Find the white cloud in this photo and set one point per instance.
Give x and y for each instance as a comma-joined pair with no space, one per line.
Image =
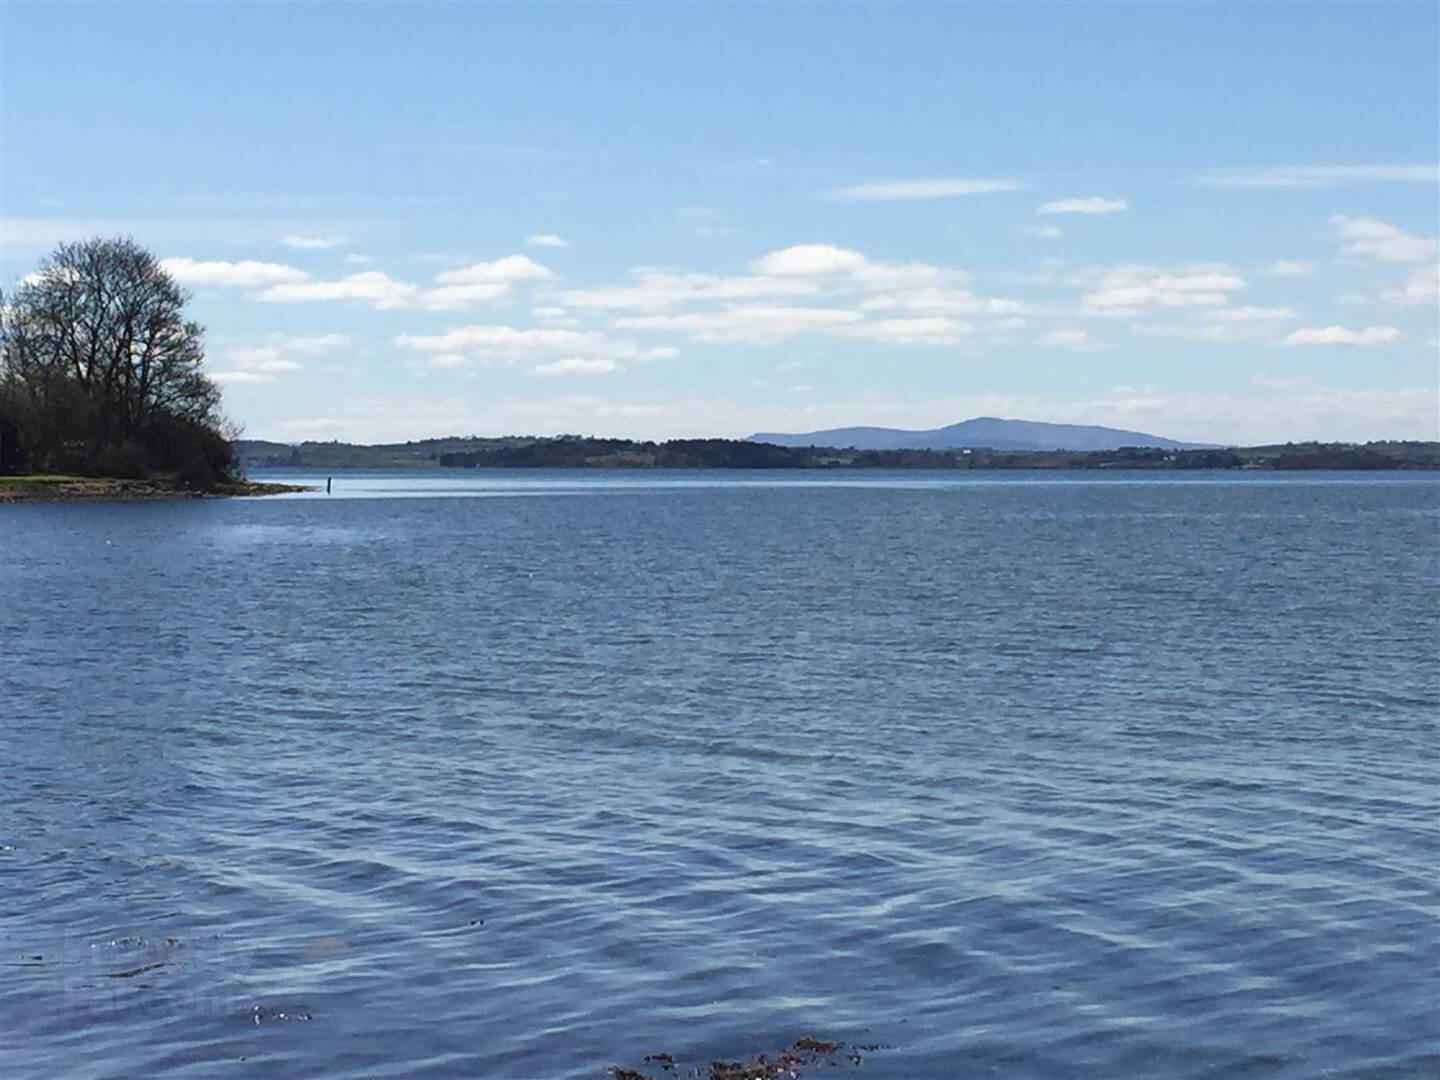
1069,339
575,365
1094,204
510,268
478,282
449,297
924,189
892,276
1196,331
453,289
803,270
546,240
266,360
308,243
1422,288
657,290
374,286
1123,290
809,260
1049,273
23,232
1221,324
749,325
1339,335
311,344
578,351
1381,240
768,325
502,341
1249,314
357,259
1290,268
273,355
944,302
1292,176
934,330
247,272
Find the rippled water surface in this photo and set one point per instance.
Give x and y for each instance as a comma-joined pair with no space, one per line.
531,774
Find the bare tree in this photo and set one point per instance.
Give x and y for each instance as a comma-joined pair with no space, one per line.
100,360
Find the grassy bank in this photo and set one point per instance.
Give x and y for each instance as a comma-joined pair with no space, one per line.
40,487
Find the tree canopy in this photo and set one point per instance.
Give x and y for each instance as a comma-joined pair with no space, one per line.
101,373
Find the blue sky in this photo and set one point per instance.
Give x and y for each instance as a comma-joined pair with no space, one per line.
1212,221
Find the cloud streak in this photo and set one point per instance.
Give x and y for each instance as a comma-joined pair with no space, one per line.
1095,204
944,188
311,243
1300,176
1339,335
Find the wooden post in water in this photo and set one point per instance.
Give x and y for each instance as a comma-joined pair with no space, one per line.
327,484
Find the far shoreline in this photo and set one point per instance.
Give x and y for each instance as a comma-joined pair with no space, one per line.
586,452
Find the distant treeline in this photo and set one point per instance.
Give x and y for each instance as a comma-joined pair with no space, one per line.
579,453
573,452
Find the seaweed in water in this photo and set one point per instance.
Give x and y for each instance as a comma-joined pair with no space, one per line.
134,971
805,1052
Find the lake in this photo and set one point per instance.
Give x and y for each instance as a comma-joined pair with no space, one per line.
530,774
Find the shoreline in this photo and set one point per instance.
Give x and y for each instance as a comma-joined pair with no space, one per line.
15,489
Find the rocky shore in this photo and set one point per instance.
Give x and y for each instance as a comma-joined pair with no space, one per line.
73,488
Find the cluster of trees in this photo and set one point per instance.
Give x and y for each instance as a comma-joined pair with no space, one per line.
101,373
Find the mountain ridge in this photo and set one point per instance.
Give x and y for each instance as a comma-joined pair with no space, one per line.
980,432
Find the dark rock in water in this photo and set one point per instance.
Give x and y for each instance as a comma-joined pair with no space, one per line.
815,1046
805,1052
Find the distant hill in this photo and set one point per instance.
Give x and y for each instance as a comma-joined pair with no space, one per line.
985,432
